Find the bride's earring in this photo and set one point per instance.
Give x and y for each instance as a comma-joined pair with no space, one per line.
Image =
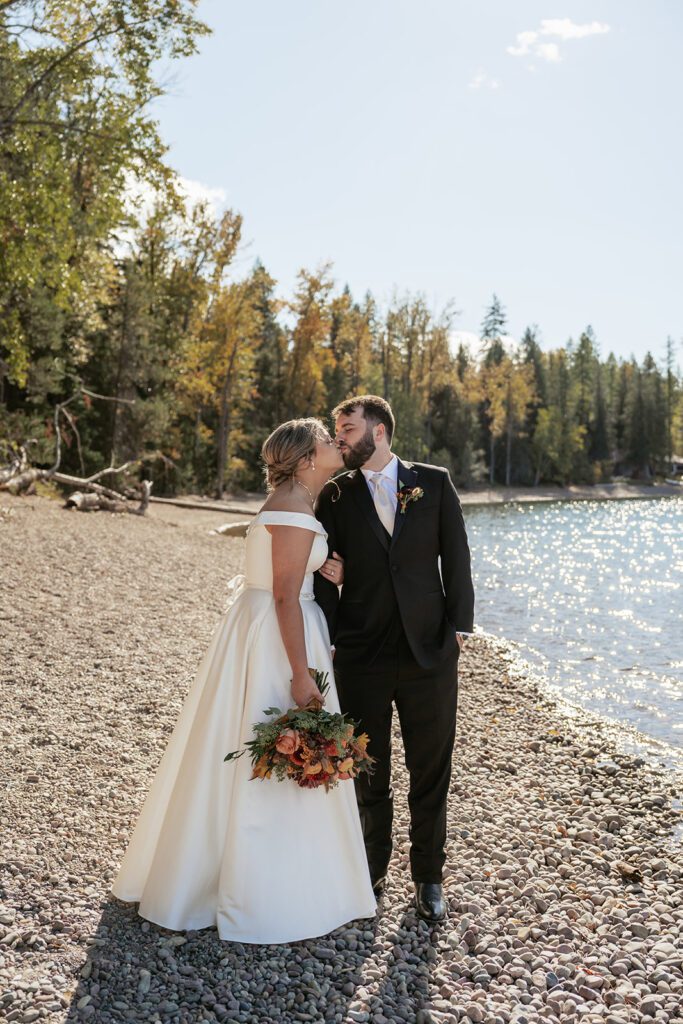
311,464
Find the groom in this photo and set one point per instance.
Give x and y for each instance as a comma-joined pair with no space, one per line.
407,595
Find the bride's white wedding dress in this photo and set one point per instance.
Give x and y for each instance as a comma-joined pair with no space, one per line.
264,861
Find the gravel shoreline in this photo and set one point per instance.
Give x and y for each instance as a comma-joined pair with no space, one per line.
102,622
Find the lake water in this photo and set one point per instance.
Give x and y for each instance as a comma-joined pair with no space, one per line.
593,594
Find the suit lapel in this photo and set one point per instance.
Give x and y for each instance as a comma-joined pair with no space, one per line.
361,494
407,477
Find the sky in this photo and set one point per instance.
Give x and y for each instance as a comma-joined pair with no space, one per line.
454,148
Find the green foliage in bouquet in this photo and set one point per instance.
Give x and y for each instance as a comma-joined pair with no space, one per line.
308,745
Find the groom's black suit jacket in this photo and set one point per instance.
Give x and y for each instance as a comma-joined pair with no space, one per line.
386,577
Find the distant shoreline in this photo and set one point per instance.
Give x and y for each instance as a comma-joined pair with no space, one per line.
575,492
249,504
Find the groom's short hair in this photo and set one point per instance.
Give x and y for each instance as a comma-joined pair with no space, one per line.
375,409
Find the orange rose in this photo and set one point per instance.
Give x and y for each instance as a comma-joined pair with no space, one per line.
313,768
343,776
288,741
343,766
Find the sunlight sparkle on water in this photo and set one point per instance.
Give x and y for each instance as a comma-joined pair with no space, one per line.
593,593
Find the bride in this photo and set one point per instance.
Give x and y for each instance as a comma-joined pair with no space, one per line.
264,861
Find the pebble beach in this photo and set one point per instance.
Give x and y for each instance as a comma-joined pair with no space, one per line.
565,865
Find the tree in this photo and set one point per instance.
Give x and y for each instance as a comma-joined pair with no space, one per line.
350,342
492,330
270,364
532,354
76,81
671,395
564,430
493,352
310,356
509,388
583,364
599,450
230,331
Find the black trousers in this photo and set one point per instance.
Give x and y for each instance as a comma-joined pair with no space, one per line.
426,701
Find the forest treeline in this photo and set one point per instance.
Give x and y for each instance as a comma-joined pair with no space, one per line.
172,348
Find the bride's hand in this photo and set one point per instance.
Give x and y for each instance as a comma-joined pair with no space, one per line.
305,690
333,569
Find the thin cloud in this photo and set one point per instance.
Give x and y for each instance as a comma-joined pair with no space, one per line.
531,42
483,81
197,191
567,29
549,52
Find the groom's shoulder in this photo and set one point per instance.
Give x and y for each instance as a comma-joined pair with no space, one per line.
425,469
343,480
334,487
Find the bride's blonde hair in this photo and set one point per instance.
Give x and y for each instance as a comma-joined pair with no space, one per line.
288,445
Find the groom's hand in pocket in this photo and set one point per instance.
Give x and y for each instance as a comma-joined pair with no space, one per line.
333,569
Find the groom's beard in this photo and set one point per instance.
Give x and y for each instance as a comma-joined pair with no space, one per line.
358,454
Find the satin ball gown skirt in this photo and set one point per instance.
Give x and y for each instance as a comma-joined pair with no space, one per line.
264,861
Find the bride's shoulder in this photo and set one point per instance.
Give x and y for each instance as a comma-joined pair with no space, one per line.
282,503
287,510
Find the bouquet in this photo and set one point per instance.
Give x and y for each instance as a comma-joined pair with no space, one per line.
308,745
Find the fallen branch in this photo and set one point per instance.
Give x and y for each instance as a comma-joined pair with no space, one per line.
128,465
18,461
208,506
23,483
18,477
106,492
94,502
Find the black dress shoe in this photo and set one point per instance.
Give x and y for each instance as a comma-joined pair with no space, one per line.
378,884
430,902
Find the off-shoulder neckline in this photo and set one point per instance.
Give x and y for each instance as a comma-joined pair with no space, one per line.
285,512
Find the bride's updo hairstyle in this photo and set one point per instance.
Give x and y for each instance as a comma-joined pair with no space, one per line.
289,443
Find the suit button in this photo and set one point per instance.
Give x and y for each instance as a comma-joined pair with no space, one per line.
394,568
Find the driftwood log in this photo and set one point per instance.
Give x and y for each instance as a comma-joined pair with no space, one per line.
19,477
18,462
92,501
232,529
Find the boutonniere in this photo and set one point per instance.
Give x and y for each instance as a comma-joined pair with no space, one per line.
408,494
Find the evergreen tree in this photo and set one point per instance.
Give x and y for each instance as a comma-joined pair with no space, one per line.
492,330
670,390
310,355
599,442
493,353
270,370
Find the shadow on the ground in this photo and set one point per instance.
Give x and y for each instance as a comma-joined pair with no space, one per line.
136,971
406,989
